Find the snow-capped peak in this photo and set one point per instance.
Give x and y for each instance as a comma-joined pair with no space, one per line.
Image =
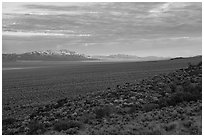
51,52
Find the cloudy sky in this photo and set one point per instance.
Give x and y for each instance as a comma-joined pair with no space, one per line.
142,29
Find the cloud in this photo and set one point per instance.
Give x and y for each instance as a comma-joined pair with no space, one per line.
161,8
170,38
29,34
103,23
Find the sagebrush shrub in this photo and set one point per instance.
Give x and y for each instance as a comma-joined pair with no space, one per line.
103,112
8,121
64,125
176,98
36,128
61,102
87,118
170,127
133,109
150,107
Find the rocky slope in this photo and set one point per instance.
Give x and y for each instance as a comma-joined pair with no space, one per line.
163,104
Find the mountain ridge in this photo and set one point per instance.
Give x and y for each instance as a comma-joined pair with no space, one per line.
47,55
121,57
68,55
54,52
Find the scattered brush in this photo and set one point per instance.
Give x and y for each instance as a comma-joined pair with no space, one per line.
8,121
103,112
65,125
36,128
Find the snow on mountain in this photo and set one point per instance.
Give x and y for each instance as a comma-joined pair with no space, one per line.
62,52
48,55
67,55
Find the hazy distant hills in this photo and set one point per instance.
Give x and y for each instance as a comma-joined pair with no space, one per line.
123,57
180,58
48,55
66,55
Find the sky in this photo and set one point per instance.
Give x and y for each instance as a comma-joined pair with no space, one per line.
141,29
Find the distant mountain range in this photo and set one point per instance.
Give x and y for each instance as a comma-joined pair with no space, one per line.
48,55
66,55
180,58
123,57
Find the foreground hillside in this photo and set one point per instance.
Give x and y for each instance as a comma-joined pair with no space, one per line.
163,104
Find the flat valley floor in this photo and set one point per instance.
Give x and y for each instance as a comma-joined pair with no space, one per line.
27,85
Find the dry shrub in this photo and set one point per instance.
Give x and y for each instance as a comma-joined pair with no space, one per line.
8,121
103,112
36,128
171,126
150,107
64,125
